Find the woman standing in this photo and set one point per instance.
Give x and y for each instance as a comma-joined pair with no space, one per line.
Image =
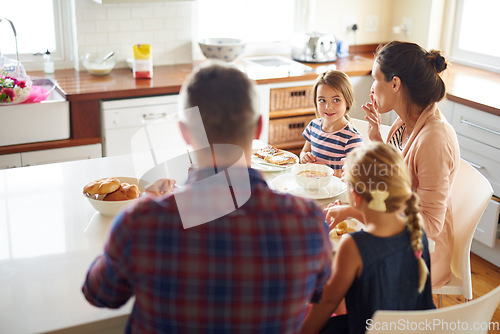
406,80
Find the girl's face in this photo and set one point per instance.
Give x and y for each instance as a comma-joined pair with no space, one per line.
382,91
331,104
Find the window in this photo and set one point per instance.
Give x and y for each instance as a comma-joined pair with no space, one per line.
266,26
38,29
476,34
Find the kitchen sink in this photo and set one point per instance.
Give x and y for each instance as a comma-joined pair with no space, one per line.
273,66
36,122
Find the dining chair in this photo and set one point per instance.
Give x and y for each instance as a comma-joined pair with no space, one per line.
362,127
470,194
473,317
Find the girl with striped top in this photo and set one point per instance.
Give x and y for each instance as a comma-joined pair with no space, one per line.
330,137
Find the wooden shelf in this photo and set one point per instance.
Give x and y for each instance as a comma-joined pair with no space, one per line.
291,113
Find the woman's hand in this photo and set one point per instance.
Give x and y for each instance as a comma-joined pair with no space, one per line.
337,212
374,120
307,157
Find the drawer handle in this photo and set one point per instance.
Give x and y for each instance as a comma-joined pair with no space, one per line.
151,117
476,166
479,127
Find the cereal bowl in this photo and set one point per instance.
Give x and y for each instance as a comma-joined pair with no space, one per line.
111,208
96,65
312,176
226,49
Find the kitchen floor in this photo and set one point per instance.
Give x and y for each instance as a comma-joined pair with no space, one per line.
485,277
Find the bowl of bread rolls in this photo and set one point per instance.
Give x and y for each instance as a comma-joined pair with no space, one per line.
110,195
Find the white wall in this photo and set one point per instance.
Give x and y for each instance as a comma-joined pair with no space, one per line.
168,26
332,16
117,27
426,21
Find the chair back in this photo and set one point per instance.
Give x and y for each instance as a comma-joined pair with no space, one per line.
470,194
362,127
472,317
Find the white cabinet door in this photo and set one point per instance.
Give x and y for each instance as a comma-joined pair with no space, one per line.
61,155
10,160
487,228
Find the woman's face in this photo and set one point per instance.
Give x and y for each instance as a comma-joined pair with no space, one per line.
331,104
382,91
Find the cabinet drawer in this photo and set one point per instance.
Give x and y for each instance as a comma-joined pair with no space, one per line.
61,155
288,130
485,158
479,125
487,226
10,160
287,98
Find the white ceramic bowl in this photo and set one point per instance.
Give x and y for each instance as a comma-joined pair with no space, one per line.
111,208
312,182
226,49
94,64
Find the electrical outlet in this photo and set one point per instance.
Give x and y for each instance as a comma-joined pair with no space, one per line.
371,23
348,22
407,26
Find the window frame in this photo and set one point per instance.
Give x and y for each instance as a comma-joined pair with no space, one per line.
63,56
465,57
300,23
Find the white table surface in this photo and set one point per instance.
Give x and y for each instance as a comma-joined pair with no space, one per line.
49,235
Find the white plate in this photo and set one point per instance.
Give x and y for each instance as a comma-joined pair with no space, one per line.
286,183
351,222
261,164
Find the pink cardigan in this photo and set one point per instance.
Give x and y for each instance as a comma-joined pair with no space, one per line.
432,155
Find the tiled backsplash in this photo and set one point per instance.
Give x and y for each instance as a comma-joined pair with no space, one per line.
166,26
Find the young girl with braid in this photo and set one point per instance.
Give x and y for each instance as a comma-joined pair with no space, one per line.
386,266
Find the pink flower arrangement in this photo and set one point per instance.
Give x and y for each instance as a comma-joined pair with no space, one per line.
12,90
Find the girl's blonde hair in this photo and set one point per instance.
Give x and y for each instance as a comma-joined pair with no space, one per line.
380,167
339,81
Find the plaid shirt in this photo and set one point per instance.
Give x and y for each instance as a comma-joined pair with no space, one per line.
250,271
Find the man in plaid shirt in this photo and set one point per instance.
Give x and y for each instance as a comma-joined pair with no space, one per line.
252,269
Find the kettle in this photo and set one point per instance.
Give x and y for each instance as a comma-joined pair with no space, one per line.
314,47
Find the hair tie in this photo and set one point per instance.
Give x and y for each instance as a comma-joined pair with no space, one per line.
418,254
378,200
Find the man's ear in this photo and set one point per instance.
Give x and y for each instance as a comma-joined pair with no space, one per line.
258,128
396,84
185,133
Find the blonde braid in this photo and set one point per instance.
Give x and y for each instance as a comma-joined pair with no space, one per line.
414,224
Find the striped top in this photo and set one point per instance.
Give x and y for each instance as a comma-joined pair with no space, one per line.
331,147
397,138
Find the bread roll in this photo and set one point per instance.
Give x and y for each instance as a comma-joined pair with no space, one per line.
102,186
124,193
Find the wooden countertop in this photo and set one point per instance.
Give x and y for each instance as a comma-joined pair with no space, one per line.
472,87
79,86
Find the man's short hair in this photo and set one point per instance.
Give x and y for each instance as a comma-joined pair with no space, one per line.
227,101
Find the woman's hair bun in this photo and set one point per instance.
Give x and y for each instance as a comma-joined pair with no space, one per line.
437,60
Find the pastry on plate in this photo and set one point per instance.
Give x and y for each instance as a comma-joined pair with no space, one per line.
268,151
280,160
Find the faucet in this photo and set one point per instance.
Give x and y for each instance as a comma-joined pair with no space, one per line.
15,38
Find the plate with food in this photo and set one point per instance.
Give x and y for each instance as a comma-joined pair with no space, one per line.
270,158
286,183
345,227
